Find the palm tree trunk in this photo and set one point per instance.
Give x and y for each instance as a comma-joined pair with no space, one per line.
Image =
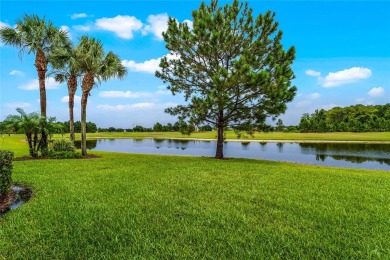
72,86
84,100
219,152
41,66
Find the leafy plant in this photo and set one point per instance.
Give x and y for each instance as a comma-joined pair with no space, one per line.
62,145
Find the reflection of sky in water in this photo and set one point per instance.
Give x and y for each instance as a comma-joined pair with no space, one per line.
370,156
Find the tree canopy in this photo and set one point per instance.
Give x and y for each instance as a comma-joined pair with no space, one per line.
231,68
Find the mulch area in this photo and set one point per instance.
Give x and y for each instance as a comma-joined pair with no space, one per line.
5,202
25,194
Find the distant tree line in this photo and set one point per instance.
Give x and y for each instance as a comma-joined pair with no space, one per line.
158,127
356,118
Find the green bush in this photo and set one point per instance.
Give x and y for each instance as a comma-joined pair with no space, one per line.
62,145
6,158
64,155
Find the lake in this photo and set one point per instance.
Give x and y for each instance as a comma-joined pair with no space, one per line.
351,155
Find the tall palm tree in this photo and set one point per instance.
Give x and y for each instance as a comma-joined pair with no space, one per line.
66,69
97,67
35,35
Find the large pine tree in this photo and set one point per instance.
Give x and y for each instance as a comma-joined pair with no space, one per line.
231,68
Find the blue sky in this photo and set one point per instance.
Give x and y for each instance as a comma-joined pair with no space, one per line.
343,56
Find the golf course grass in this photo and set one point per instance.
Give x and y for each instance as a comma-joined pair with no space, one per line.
148,206
337,136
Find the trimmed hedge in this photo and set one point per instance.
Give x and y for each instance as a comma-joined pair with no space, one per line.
6,166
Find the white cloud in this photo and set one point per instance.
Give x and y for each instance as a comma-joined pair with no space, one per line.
157,24
346,76
377,92
329,106
34,84
128,107
83,28
17,104
4,25
312,73
302,104
79,15
16,73
123,26
149,66
65,99
315,95
136,106
162,90
123,94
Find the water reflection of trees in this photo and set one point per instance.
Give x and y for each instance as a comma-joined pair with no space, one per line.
346,152
91,144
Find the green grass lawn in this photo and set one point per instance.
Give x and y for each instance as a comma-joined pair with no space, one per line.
128,206
371,136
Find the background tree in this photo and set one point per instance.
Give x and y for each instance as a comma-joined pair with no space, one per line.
231,67
34,35
279,125
97,67
157,127
66,69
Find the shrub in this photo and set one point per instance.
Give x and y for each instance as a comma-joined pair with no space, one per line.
63,149
64,155
62,145
6,158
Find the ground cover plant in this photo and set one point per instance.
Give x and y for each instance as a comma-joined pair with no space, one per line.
125,205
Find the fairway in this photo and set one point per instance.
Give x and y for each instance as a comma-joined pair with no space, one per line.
127,206
260,136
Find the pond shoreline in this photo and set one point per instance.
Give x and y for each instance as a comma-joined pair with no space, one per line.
245,140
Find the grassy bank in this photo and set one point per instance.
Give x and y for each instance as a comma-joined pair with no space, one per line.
127,206
372,136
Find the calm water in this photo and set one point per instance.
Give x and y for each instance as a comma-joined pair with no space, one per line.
368,156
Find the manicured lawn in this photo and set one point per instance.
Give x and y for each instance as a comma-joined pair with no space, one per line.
372,136
127,206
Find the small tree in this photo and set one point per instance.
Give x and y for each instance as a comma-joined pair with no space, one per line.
231,67
279,125
31,125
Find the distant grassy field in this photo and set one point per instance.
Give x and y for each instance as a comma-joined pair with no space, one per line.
144,206
372,136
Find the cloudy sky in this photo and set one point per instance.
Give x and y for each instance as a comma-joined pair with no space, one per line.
343,56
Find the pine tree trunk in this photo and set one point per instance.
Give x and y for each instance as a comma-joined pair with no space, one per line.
84,100
219,152
72,86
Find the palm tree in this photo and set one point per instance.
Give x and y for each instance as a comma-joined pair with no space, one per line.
30,124
66,69
35,35
96,67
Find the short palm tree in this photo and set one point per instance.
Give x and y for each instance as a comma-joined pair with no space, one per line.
66,69
97,67
35,35
30,124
